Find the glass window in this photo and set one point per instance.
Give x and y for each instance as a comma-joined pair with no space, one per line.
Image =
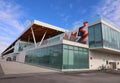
80,49
65,46
111,37
70,47
75,58
91,37
71,58
49,56
59,57
95,36
75,48
98,35
65,58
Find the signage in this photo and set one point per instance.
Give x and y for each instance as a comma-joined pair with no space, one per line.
78,35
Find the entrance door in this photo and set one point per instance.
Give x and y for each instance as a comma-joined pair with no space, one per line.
14,58
112,65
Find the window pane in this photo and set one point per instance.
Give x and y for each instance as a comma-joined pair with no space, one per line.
95,35
65,58
49,56
111,37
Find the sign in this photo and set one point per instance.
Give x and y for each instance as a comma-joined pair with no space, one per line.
78,35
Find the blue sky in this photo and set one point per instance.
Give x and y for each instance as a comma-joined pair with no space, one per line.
14,14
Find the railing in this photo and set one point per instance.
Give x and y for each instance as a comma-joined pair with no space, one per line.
47,41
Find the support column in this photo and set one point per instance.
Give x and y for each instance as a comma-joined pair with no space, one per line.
42,38
34,37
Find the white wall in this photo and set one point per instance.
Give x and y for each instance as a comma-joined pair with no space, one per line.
8,55
100,58
21,57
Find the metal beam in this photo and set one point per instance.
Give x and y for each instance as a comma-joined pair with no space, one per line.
34,37
42,38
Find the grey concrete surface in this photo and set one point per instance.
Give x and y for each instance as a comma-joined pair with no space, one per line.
16,73
19,68
65,78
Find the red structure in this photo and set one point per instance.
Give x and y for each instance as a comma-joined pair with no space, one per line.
83,33
73,36
79,35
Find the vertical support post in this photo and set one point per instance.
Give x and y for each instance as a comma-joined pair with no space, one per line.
42,38
28,40
34,37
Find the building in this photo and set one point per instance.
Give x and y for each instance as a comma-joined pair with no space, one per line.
51,46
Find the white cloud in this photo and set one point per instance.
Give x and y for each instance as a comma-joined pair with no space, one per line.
3,46
9,14
6,30
5,38
10,24
111,10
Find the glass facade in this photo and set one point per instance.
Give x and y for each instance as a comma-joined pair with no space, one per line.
53,39
59,56
111,37
75,57
95,35
102,35
21,45
49,56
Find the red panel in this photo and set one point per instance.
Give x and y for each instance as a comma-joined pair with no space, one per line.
83,33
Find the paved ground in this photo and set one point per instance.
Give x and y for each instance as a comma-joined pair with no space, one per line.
53,77
64,78
19,68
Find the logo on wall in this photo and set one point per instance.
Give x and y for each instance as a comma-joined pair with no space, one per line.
78,35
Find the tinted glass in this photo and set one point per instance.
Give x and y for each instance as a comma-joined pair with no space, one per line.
95,35
111,37
76,58
49,56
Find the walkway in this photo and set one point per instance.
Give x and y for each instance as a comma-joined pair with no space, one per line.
20,68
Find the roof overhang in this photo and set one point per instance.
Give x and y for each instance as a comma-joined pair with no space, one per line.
39,28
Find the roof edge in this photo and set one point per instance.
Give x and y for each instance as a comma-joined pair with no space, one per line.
49,25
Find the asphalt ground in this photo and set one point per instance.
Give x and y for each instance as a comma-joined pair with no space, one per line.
97,77
60,77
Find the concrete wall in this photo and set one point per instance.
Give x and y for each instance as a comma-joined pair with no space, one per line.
97,59
21,57
8,55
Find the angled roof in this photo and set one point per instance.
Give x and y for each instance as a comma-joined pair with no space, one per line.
39,28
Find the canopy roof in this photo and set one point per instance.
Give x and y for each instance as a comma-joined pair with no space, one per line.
39,28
